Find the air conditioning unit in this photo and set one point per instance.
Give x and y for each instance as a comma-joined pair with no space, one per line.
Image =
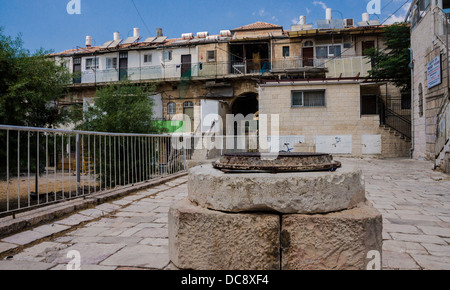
348,22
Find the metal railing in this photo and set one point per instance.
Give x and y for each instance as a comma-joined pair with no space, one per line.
43,166
443,128
345,66
395,115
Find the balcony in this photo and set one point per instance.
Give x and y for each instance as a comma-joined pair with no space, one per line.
332,67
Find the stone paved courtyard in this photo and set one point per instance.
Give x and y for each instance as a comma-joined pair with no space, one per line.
132,232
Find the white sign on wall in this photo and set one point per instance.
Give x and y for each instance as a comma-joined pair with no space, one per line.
339,144
371,144
434,72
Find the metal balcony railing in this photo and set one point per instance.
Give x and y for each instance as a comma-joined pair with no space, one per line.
335,67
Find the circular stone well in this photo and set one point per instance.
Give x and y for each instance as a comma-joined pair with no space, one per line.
286,193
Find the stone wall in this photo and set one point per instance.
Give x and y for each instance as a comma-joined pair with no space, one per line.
340,119
425,46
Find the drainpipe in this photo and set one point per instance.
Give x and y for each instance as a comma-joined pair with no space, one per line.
411,66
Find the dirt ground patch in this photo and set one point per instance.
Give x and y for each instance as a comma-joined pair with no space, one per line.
23,190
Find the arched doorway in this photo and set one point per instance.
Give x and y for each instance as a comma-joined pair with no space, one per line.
188,111
248,106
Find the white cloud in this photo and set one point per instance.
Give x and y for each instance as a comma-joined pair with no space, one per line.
308,10
400,17
262,12
324,6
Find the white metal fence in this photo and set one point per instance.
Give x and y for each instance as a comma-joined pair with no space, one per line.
42,166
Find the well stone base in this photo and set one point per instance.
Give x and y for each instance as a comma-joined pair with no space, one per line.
334,241
287,193
202,239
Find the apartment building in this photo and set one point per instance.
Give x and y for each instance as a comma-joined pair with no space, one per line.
315,79
431,111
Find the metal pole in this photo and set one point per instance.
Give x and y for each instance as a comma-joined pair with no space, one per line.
37,167
78,164
7,170
18,169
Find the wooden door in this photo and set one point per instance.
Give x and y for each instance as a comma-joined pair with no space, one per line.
77,70
123,65
186,65
308,56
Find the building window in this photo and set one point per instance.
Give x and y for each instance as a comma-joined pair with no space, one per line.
211,54
406,102
167,55
123,55
171,108
420,101
285,51
147,58
369,104
308,43
308,99
111,63
328,51
188,105
92,63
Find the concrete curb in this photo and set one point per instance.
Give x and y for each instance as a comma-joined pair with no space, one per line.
32,218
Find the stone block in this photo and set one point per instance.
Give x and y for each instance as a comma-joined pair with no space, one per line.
334,241
202,239
287,193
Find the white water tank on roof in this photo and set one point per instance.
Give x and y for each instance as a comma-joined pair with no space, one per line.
329,13
302,20
136,32
365,17
225,33
88,41
202,34
187,36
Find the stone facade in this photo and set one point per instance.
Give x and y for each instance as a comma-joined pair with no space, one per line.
427,42
340,118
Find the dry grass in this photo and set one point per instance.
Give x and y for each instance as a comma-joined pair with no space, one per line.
23,189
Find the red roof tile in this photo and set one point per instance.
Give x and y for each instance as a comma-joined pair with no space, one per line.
257,26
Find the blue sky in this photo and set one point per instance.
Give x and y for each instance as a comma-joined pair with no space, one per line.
46,23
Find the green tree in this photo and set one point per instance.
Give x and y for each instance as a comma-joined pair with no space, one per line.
392,62
121,108
31,84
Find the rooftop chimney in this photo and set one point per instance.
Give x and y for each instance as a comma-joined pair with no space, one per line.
159,32
88,41
116,35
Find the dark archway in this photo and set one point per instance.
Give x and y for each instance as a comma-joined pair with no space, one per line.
246,104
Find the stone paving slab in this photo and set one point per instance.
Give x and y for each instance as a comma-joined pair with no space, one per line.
131,232
24,238
140,256
74,220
